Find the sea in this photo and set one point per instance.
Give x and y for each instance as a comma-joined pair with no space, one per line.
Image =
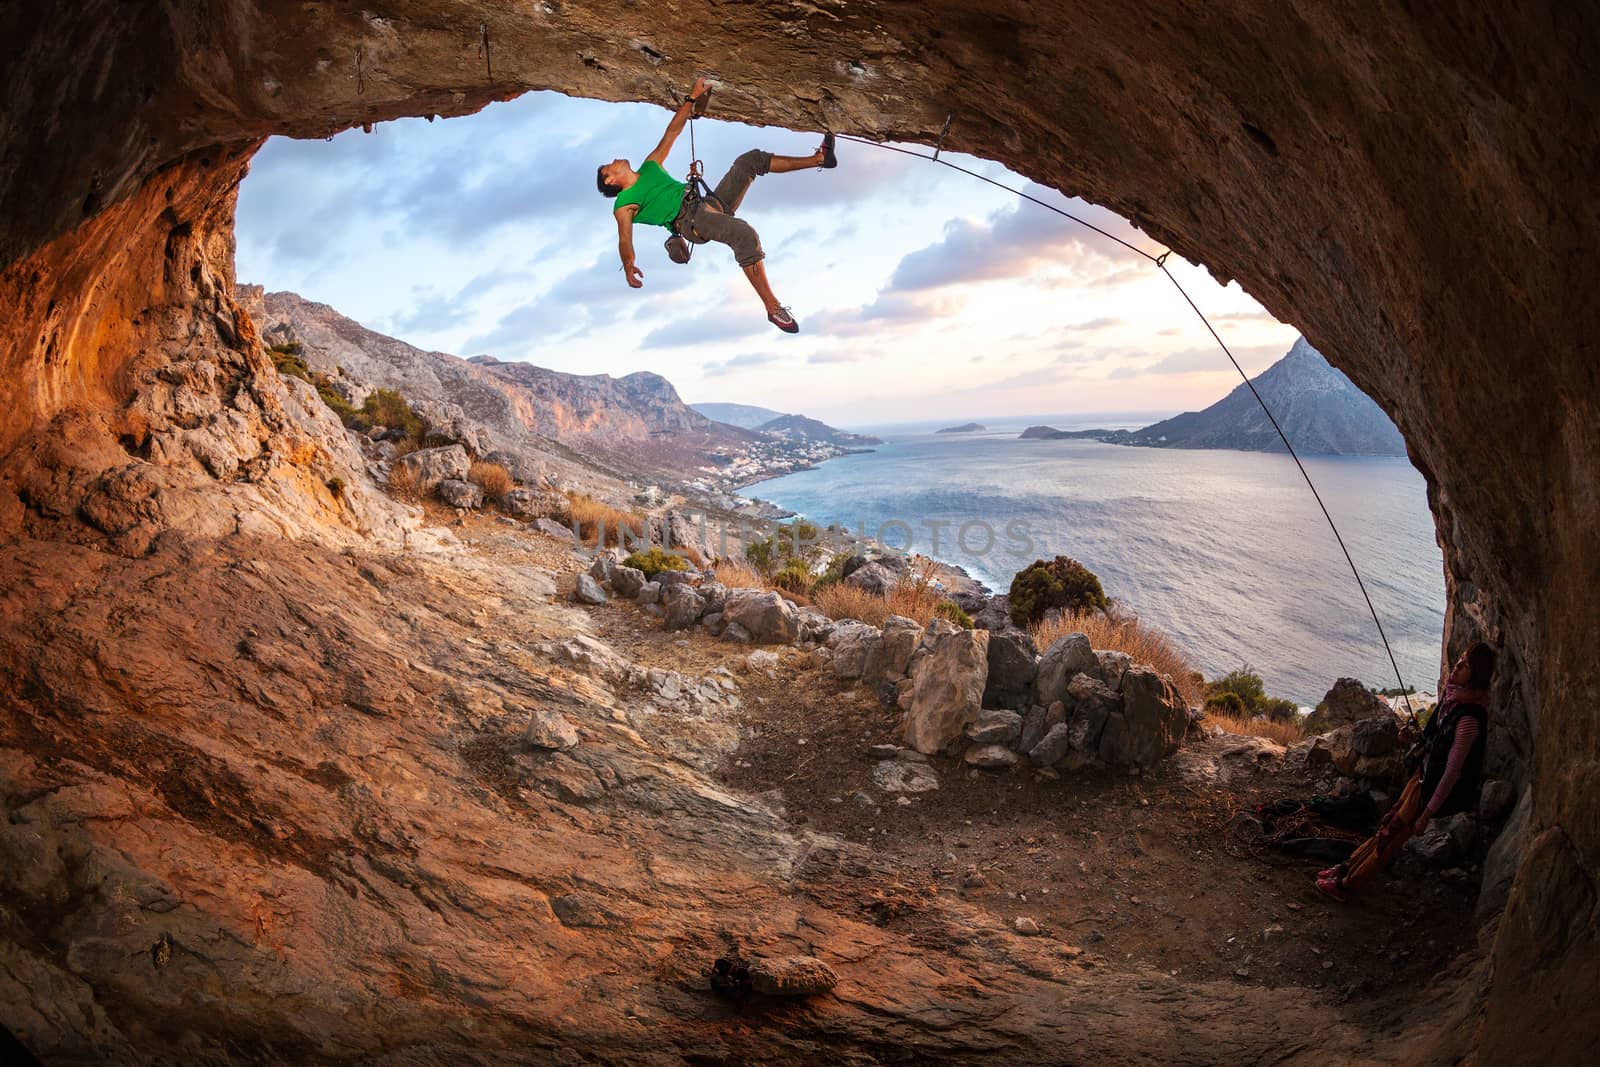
1226,551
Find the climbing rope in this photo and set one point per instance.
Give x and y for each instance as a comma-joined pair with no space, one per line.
1161,263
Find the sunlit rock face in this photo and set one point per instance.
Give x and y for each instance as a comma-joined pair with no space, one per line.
1409,186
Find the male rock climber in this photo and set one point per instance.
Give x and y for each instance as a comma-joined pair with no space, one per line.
651,196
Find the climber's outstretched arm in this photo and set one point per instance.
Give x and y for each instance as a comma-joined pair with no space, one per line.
624,216
675,126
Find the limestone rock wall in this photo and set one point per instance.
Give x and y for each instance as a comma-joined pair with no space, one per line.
1407,183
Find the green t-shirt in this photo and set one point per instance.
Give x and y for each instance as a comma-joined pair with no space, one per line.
657,193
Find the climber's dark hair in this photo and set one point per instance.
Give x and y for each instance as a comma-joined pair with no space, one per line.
1480,660
607,190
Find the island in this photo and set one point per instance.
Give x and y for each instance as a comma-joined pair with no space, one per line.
969,427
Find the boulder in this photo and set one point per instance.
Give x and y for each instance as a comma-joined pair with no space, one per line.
874,577
904,776
1093,704
733,631
1051,747
588,591
990,756
603,568
853,643
1032,729
649,593
667,578
997,727
460,494
1347,702
1112,667
791,976
715,595
434,465
1013,665
683,606
994,615
946,692
764,616
1150,725
551,528
522,503
1376,736
627,581
888,660
549,730
1069,655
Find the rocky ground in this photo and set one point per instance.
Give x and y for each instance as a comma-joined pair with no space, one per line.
268,800
1134,872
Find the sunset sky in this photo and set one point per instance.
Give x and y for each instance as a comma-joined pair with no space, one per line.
921,293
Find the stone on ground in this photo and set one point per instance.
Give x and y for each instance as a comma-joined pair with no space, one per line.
460,494
1069,655
551,730
765,616
434,465
946,693
588,591
791,976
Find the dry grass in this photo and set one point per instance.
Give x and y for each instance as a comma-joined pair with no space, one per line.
737,574
1284,733
592,516
1143,644
405,482
405,447
915,598
492,478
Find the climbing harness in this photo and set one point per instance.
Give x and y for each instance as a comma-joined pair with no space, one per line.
695,191
1161,263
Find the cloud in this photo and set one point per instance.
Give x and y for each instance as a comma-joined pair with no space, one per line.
712,368
887,312
833,357
1091,325
713,326
435,312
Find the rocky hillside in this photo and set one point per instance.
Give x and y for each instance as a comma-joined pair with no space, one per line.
636,423
1320,409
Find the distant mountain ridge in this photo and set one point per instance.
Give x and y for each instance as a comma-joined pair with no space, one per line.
796,428
1319,408
800,428
744,416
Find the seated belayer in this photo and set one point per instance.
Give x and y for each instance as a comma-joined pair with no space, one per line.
1445,780
653,197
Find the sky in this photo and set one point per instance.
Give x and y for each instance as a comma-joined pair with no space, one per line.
921,292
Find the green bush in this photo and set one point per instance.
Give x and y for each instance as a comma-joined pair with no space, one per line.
286,357
1279,710
655,560
338,404
336,486
950,611
1244,682
777,552
1063,584
1227,703
795,577
385,407
1244,685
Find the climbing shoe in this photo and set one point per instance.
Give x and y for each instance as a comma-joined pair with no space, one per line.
780,317
829,160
